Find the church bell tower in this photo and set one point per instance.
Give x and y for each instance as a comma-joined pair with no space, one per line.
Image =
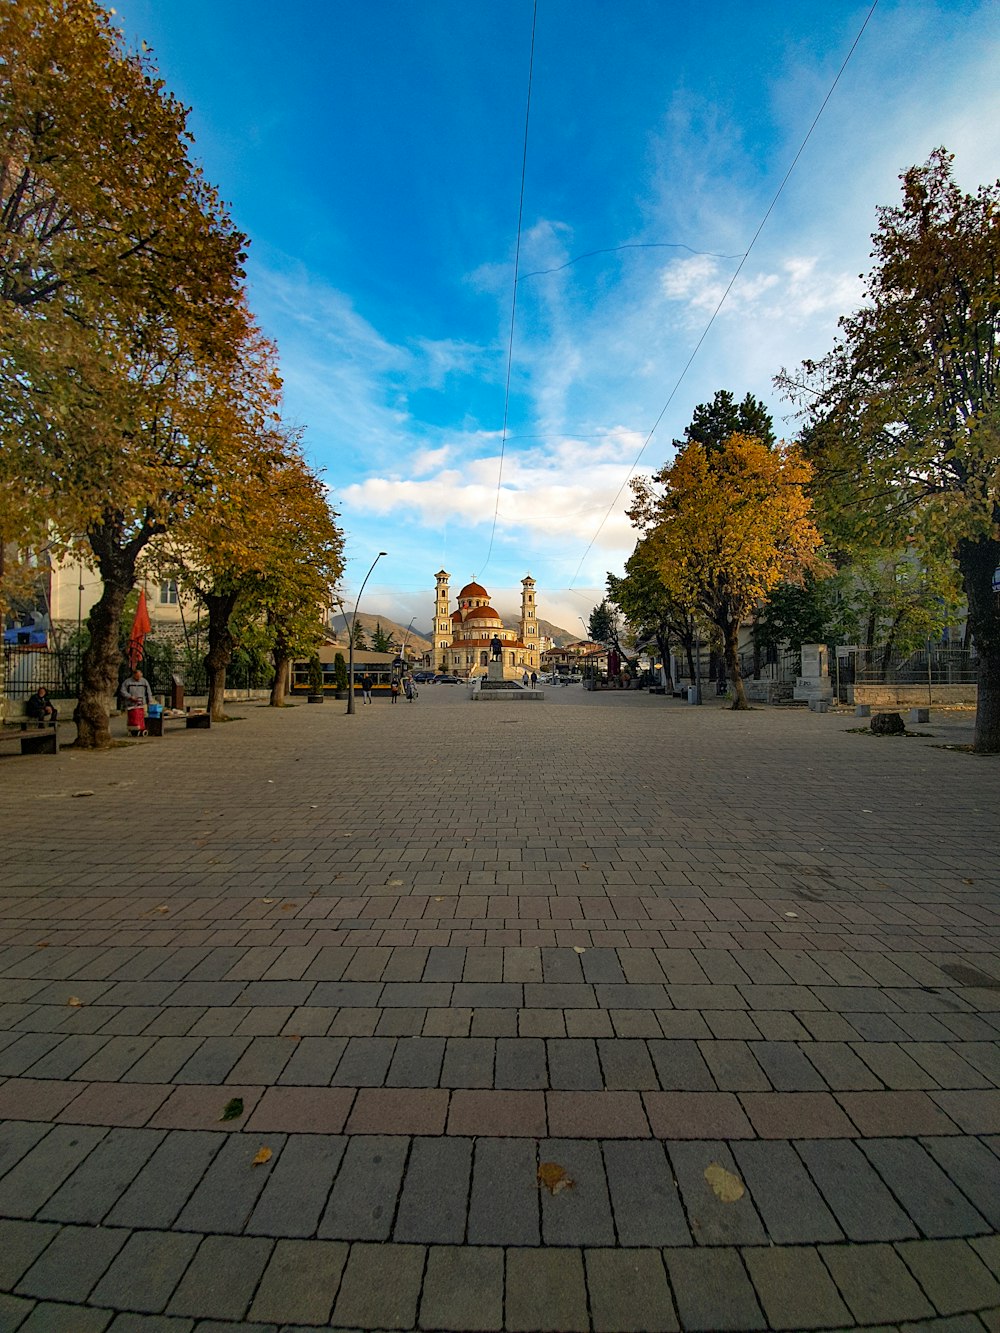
442,621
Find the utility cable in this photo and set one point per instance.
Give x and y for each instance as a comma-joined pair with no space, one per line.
513,299
729,288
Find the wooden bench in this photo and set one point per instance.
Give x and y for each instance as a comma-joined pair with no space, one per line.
33,737
198,721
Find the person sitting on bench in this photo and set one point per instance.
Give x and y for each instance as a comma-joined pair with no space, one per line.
41,707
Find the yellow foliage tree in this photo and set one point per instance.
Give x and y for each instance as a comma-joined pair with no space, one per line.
724,526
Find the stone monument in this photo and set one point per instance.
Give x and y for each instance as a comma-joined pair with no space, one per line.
814,685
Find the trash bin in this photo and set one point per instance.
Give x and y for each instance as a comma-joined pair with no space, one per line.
694,694
176,692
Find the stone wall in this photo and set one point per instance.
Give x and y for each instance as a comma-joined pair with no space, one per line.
913,696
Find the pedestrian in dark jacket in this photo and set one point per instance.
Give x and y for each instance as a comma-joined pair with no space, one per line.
366,688
40,706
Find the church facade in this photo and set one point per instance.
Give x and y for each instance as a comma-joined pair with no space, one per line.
464,638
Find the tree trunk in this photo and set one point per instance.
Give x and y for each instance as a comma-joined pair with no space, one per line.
977,561
282,664
116,562
689,654
220,649
731,645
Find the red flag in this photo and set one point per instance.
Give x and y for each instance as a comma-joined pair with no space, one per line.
140,628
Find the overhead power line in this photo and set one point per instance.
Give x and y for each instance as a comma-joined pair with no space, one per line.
729,288
513,298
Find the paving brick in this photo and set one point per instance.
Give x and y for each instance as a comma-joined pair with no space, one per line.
163,1186
546,1292
520,1063
952,1274
974,1112
300,1282
588,1023
945,1066
364,1062
644,1199
580,1215
362,1203
733,1066
263,1060
973,1168
712,1290
875,1283
48,1317
712,1221
400,1111
17,1138
71,1265
573,1065
35,1099
463,1290
301,1110
20,1245
692,1115
225,1196
893,1066
680,1066
432,1204
97,1184
786,1198
554,995
115,1104
788,1115
786,1067
380,1287
494,1022
297,1189
497,1114
840,1067
795,1289
195,1107
416,1062
26,1187
731,1025
629,1292
626,1065
504,1200
145,1272
468,1062
221,1278
937,1206
878,1114
863,1207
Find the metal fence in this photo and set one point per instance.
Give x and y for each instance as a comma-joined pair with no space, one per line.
936,665
58,669
779,664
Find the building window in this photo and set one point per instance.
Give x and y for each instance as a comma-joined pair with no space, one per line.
168,593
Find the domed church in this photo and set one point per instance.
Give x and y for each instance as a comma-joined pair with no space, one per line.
463,638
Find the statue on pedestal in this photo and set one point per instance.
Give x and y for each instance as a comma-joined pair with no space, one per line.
496,648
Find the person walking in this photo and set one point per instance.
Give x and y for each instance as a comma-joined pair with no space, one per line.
366,688
409,688
534,679
524,680
394,688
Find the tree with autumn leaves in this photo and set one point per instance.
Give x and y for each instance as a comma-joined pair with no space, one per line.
132,378
723,524
902,416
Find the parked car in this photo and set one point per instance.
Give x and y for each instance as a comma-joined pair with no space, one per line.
422,677
446,680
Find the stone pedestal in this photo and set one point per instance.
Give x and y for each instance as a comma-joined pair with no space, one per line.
494,670
814,686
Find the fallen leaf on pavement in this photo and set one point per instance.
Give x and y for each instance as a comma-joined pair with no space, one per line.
74,1002
554,1177
163,910
81,793
264,1155
578,949
43,944
287,907
233,1109
291,1036
725,1185
267,900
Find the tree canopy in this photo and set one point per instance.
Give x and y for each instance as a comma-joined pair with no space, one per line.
902,415
725,526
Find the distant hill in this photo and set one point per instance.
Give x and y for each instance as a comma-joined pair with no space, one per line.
416,642
419,641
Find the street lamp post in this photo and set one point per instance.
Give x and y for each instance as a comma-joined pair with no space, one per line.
402,651
350,651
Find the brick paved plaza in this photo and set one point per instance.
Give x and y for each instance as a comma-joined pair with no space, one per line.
735,975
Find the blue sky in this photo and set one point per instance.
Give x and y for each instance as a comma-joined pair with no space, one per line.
372,151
